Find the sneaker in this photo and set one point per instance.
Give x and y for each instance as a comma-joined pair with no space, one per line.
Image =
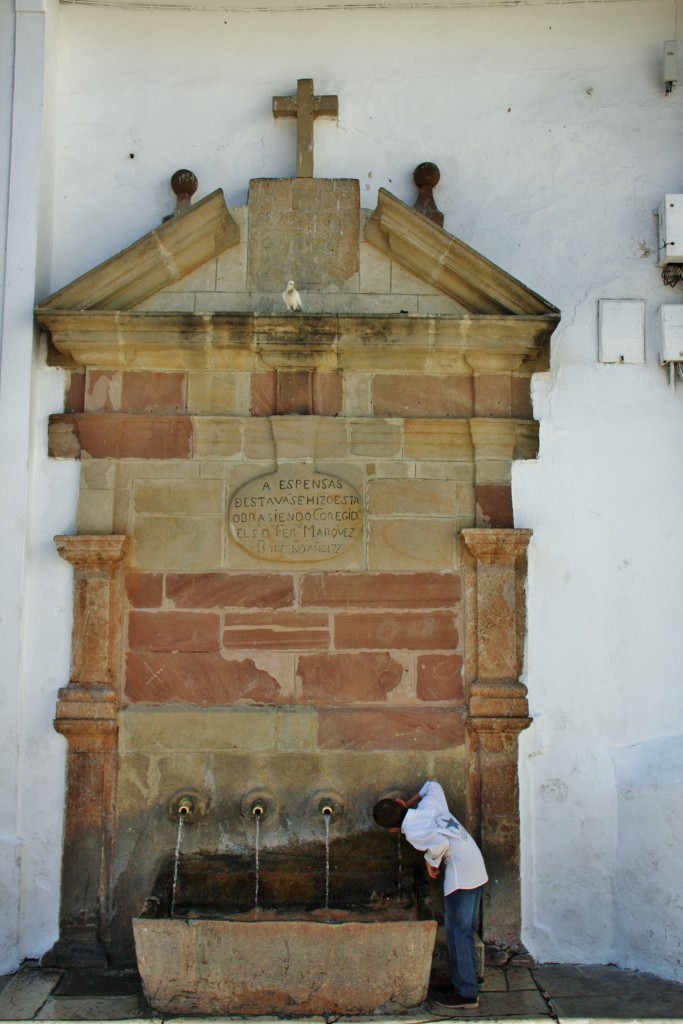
446,1002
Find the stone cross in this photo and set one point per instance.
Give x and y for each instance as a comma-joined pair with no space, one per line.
305,107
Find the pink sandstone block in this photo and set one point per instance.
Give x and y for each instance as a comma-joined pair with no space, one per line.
230,590
173,631
397,630
382,590
201,679
348,678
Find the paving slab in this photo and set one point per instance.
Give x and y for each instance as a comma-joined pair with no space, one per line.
99,983
494,981
510,1004
520,978
26,992
596,992
93,1008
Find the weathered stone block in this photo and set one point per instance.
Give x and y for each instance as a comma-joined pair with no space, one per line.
74,391
120,436
422,395
443,439
412,544
173,631
103,390
440,677
179,497
98,474
348,678
218,392
283,631
145,589
492,394
411,497
263,393
178,542
169,302
385,590
230,590
357,394
520,397
95,511
306,228
377,439
170,730
153,392
231,269
395,630
216,437
196,678
294,393
494,505
389,729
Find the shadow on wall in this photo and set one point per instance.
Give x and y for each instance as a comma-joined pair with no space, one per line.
648,857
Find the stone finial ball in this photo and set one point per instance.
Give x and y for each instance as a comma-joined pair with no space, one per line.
184,182
426,174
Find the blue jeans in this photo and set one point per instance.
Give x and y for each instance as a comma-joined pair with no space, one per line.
461,919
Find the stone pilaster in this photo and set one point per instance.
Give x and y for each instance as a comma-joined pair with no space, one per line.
86,716
498,712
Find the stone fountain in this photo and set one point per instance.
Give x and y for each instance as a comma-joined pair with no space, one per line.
316,929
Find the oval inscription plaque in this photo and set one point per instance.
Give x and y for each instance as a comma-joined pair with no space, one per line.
295,515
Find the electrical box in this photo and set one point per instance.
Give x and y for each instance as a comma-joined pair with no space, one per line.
621,331
671,230
671,334
669,65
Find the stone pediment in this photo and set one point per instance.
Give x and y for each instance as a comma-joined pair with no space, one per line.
166,255
204,290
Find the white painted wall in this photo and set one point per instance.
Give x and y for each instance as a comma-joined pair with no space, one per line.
555,144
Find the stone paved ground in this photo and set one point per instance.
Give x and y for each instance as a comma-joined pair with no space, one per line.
568,994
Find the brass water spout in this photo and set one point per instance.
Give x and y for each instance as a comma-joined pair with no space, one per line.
257,810
185,806
326,809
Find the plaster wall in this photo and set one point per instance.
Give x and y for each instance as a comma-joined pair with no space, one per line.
555,144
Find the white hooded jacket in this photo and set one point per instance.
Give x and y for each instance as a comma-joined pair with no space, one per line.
431,827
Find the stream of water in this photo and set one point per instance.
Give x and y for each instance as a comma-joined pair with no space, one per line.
257,845
327,859
179,839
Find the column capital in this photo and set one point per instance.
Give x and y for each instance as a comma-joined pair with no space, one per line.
501,547
497,699
86,551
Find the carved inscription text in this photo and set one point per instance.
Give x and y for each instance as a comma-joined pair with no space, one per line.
296,515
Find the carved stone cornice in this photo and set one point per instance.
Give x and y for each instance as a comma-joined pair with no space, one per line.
496,547
92,551
329,342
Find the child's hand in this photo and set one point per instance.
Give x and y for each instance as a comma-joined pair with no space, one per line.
432,871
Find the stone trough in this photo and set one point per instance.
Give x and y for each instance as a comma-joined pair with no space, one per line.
287,967
370,949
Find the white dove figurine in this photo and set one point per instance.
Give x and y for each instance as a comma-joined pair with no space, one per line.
291,298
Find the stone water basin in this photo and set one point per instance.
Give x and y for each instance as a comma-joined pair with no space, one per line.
286,963
370,947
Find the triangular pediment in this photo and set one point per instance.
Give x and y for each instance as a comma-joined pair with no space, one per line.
205,288
164,256
451,266
390,261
